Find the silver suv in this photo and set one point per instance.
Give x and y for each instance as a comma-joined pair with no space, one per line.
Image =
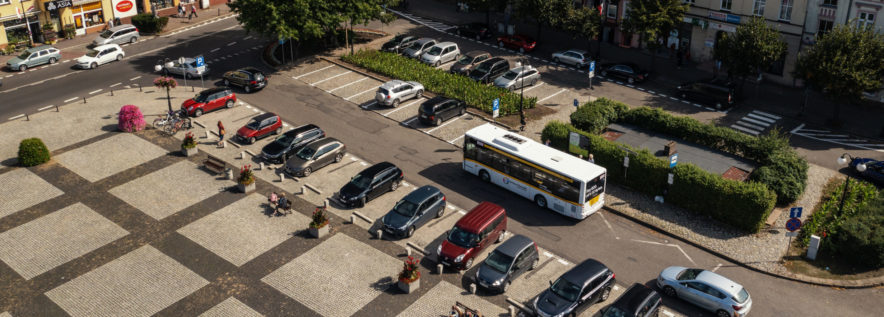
518,77
393,92
705,289
125,33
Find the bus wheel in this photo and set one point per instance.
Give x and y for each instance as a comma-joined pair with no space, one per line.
483,174
540,201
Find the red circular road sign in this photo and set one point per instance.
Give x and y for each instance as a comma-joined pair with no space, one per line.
793,224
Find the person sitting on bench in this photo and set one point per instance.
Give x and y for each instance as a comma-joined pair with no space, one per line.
273,199
282,203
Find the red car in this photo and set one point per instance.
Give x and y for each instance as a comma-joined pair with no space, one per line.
208,100
519,42
259,127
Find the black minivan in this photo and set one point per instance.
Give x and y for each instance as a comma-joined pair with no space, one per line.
587,283
371,183
489,70
717,92
290,142
510,260
439,109
414,210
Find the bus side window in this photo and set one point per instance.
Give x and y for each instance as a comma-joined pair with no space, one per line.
500,163
470,150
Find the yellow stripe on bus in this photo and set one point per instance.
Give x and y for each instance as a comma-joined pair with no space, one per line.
526,184
528,163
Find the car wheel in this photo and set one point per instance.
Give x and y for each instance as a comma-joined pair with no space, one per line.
339,157
630,80
362,202
604,73
410,232
557,60
395,103
669,291
306,172
468,265
132,40
718,105
501,237
483,174
540,201
252,140
535,264
394,186
52,60
226,83
506,286
437,63
463,110
188,76
500,44
22,67
683,96
93,66
198,112
247,88
441,212
437,122
119,57
278,131
419,94
230,104
605,294
722,313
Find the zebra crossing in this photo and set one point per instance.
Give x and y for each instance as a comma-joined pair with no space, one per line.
839,138
438,26
755,122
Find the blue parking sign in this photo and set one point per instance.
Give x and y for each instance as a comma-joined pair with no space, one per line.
200,61
592,66
495,108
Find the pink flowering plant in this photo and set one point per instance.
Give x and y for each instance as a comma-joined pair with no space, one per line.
320,219
130,119
165,82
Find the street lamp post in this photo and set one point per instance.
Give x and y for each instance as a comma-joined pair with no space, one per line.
846,159
164,65
522,96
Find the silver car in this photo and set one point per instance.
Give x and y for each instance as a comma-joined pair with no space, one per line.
125,33
705,289
441,53
393,92
518,77
314,156
418,48
188,69
34,56
577,58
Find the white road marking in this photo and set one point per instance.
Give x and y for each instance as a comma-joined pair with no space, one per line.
667,313
134,78
318,70
247,37
214,50
442,125
16,117
668,245
402,107
716,267
547,254
670,97
372,103
330,78
363,163
71,99
651,92
409,121
609,225
458,138
747,130
685,253
47,107
535,86
348,84
114,85
840,143
562,261
697,105
365,91
462,212
553,95
686,102
710,109
769,115
758,122
798,128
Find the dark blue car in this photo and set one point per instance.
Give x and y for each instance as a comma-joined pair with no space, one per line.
413,211
874,170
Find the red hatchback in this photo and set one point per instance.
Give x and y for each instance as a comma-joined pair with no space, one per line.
520,42
479,228
208,100
259,127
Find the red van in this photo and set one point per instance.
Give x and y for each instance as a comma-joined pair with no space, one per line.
482,226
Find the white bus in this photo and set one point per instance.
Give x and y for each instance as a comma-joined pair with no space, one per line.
551,178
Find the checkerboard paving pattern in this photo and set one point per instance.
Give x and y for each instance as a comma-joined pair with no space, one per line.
140,283
440,299
24,189
54,239
242,231
171,189
109,156
230,307
336,278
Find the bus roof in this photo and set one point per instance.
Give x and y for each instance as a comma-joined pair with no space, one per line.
550,158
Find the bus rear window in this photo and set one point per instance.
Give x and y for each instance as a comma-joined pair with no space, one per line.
595,187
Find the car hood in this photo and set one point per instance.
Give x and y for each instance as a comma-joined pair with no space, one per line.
296,163
350,190
452,250
476,75
395,219
460,67
274,148
411,52
502,82
190,102
551,304
489,275
671,272
15,61
85,59
245,132
390,45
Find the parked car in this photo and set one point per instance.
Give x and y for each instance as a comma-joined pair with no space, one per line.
209,100
315,155
706,290
507,262
439,109
874,171
249,78
630,72
371,183
717,92
483,225
288,143
637,301
419,47
413,211
399,43
468,61
120,34
477,30
188,69
489,70
35,56
518,42
393,92
441,53
577,58
100,55
518,77
259,127
587,283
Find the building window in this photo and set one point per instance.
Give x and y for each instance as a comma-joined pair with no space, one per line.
825,27
758,9
866,19
162,4
726,5
2,2
612,9
833,3
786,10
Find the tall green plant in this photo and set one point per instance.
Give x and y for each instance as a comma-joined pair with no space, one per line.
751,49
653,19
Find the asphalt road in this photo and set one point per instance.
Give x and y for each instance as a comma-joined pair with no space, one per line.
634,252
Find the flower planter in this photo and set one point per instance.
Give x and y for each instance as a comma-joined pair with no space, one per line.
409,287
188,152
318,232
246,188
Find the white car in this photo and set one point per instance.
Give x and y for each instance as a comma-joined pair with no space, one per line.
518,77
188,69
705,289
99,55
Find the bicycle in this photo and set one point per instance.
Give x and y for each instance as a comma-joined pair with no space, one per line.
173,122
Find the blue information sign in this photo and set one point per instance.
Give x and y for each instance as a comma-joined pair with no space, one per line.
496,104
576,104
592,66
793,224
795,212
200,61
673,160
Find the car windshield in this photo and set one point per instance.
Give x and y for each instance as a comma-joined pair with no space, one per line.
498,261
92,53
511,75
427,108
361,181
742,296
398,38
106,34
416,46
483,67
284,139
254,124
24,55
435,51
614,312
306,153
201,97
405,208
465,60
565,289
461,238
688,274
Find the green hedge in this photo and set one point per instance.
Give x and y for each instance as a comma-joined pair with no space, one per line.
476,95
595,116
742,205
32,152
147,23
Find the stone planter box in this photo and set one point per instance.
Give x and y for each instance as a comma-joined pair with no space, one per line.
409,287
246,188
318,233
190,152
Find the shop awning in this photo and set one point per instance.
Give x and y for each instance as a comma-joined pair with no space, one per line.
15,17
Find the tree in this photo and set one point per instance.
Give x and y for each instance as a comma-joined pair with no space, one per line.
753,48
653,20
544,12
487,6
297,20
360,12
843,64
583,22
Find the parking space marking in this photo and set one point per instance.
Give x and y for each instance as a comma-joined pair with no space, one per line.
442,125
47,107
363,163
461,211
535,86
402,107
670,97
652,92
231,43
716,267
669,245
553,95
247,37
409,121
71,99
641,89
609,225
455,139
114,85
348,84
365,91
318,70
215,50
134,78
330,78
368,105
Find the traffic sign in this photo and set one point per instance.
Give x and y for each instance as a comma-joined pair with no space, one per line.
576,104
200,61
495,108
795,212
793,224
591,66
673,160
181,60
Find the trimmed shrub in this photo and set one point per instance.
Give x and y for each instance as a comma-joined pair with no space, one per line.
594,116
148,24
786,175
860,240
476,95
32,152
130,119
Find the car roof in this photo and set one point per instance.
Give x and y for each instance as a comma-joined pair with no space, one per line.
581,52
38,48
514,245
584,271
264,116
121,27
392,84
436,100
302,129
476,53
719,282
422,193
524,37
213,90
377,168
251,70
494,60
445,44
104,46
425,40
478,217
634,297
323,142
522,68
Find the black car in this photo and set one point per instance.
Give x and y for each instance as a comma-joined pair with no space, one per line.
630,72
637,301
249,78
489,70
290,142
439,109
717,92
371,183
476,30
399,43
413,211
510,260
583,285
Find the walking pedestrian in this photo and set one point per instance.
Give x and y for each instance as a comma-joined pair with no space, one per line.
220,132
192,12
153,10
181,12
591,158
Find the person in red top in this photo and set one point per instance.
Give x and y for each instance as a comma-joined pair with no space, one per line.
220,132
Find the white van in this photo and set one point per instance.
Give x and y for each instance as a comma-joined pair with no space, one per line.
441,53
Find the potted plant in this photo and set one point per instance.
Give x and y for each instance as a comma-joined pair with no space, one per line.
49,33
410,277
246,181
188,147
69,31
319,225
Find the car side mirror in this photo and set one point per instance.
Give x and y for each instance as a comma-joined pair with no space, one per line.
550,283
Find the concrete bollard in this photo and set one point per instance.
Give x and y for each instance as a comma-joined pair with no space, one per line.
260,166
242,155
352,219
207,134
229,173
512,311
325,203
379,234
472,288
407,251
439,268
223,144
281,177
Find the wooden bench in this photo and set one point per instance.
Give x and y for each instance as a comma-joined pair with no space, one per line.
464,310
669,149
214,164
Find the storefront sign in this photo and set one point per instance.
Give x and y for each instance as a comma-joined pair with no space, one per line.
715,15
55,5
123,8
723,27
735,19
